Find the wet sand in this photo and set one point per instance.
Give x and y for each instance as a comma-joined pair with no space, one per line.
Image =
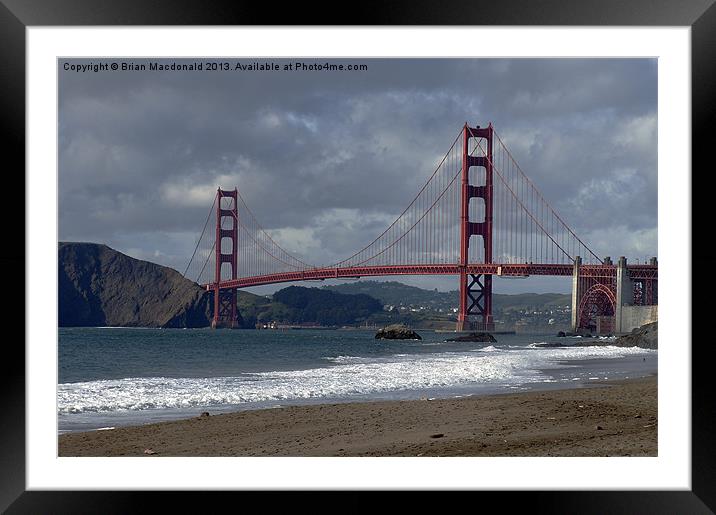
615,420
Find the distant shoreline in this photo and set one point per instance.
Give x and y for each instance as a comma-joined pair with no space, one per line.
618,420
305,328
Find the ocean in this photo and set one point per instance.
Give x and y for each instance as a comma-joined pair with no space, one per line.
111,377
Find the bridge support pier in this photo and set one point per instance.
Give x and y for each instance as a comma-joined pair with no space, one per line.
475,300
226,314
625,294
576,293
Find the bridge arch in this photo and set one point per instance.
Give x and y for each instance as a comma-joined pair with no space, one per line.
598,300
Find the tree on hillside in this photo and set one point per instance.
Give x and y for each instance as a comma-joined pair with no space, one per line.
325,307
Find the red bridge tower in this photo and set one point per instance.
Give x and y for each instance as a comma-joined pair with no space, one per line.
227,229
475,290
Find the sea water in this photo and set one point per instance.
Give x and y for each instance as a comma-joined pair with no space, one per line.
110,377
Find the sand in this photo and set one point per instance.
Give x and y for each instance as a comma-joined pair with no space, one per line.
609,419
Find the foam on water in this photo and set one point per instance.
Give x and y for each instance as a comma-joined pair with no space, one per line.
536,345
349,376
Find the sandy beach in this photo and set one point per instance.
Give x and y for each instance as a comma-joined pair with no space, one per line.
605,419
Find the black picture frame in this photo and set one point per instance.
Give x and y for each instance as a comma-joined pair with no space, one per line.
17,15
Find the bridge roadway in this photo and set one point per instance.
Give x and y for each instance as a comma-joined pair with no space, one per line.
499,270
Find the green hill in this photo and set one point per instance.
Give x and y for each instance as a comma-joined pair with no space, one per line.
393,293
324,307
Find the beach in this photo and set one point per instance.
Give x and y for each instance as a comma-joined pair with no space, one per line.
606,418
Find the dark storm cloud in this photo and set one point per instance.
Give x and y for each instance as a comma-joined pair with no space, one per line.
327,159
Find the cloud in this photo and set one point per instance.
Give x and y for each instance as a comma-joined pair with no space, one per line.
636,244
327,161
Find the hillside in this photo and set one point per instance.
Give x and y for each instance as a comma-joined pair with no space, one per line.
397,294
319,306
504,302
99,286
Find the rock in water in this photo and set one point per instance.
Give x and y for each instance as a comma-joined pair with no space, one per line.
397,332
475,337
646,336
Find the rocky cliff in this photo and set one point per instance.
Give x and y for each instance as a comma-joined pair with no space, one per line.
99,286
646,336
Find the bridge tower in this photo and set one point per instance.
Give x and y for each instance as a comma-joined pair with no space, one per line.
227,229
475,290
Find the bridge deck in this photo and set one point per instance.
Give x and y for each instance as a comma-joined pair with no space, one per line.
500,270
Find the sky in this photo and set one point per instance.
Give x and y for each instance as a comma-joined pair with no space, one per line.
317,154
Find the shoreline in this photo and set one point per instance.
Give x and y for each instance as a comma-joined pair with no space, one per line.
593,420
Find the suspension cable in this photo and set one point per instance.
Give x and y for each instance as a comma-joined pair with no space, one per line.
211,210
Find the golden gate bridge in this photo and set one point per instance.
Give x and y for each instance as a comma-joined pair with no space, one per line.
478,216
